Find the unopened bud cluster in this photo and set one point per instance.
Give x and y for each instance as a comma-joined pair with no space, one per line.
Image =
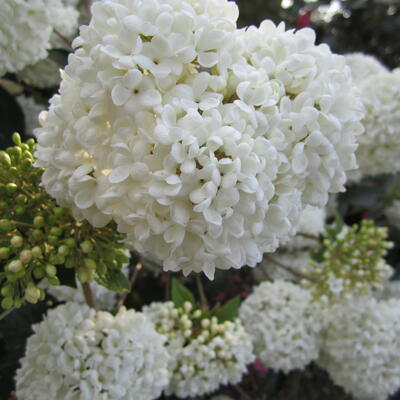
205,353
39,239
352,262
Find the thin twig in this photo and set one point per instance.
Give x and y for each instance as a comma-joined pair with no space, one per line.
291,270
135,274
87,291
242,392
200,288
5,313
309,236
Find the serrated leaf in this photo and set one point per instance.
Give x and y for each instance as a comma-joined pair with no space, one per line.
181,294
114,280
229,311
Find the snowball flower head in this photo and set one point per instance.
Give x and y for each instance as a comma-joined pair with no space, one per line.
25,30
78,354
284,325
379,146
205,354
363,66
202,142
361,347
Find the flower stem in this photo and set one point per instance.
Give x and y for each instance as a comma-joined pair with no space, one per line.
135,274
87,291
200,288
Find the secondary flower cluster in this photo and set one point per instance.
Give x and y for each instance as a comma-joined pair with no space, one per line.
350,263
283,324
203,142
205,354
361,347
26,28
379,146
78,354
42,240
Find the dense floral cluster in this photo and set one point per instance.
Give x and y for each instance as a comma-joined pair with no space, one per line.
202,142
350,263
78,354
283,324
361,347
26,28
41,240
205,354
364,66
379,146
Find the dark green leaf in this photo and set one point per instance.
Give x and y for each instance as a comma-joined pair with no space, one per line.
114,280
181,294
229,311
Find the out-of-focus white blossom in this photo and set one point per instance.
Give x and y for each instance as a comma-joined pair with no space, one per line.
78,354
26,28
273,267
31,111
379,146
361,347
202,142
363,66
284,325
44,74
204,354
312,224
391,290
392,214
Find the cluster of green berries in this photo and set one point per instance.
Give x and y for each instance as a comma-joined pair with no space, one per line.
39,239
351,262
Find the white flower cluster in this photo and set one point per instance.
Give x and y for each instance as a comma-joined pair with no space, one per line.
379,146
204,354
78,354
31,111
202,142
26,28
284,325
363,66
361,347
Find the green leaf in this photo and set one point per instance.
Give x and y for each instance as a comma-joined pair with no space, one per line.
181,294
114,280
229,311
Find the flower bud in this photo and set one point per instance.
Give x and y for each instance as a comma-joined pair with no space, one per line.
4,253
7,303
36,252
38,221
89,263
25,256
5,159
16,241
15,266
86,247
6,225
51,270
16,138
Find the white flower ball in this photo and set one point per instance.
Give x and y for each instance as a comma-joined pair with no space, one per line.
204,354
25,30
284,325
363,66
361,347
202,142
31,111
379,146
78,354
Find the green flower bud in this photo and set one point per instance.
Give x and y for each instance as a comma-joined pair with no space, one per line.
63,250
89,263
16,241
37,252
32,293
53,281
15,266
25,256
7,290
17,302
5,159
56,231
86,247
11,188
38,272
37,235
16,138
20,210
21,199
70,242
69,262
51,270
53,240
38,221
7,303
4,253
83,275
6,225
